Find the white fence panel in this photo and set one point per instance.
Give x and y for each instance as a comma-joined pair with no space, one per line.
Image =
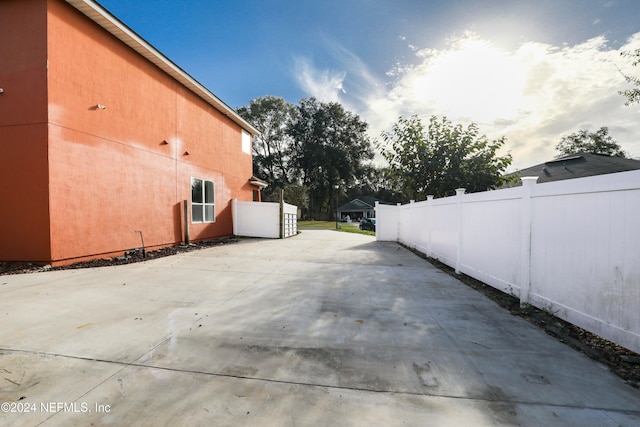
492,237
256,219
289,220
386,222
585,254
571,247
262,219
414,226
443,230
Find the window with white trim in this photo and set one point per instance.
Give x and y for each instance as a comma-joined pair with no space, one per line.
246,142
202,201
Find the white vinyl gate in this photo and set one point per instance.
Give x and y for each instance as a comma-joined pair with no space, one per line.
264,219
289,220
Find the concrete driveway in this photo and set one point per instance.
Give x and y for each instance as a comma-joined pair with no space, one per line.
322,329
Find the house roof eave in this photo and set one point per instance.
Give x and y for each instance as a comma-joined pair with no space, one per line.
118,29
258,182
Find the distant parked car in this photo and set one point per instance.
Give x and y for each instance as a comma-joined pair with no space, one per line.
368,224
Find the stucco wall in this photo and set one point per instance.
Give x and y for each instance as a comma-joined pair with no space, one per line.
129,166
24,209
118,169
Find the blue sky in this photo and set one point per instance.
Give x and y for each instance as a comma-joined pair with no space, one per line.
531,71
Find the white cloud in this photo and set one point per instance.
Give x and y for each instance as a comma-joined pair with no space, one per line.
533,94
324,85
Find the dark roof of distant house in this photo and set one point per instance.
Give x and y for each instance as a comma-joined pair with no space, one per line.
577,165
362,203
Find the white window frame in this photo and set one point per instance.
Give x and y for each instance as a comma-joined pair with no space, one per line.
199,207
246,142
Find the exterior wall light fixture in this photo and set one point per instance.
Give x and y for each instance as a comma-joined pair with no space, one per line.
1,90
101,106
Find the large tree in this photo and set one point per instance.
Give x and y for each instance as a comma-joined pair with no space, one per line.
377,182
633,94
330,147
271,149
598,142
442,157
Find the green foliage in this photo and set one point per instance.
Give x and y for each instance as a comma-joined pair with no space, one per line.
307,149
632,95
438,159
330,146
376,182
272,148
598,142
297,194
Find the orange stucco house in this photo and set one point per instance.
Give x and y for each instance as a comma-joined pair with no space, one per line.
103,137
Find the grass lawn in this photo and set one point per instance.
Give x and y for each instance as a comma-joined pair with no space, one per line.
331,225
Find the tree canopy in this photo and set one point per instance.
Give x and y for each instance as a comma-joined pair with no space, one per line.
330,147
272,148
307,149
441,157
633,94
598,142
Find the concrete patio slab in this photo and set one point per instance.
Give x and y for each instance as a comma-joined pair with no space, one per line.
322,329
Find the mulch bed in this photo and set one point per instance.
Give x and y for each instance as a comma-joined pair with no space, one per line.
136,255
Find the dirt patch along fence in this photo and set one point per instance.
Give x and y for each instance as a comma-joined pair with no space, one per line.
569,247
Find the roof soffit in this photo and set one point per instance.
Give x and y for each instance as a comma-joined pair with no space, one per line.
117,28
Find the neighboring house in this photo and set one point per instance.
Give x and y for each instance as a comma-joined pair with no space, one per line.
102,139
361,207
577,165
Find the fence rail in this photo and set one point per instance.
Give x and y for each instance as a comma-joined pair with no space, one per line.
289,220
264,219
570,247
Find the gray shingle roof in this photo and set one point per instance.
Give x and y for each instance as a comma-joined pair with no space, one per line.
577,165
362,203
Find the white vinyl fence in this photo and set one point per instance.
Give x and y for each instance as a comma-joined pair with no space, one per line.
570,247
289,220
264,219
